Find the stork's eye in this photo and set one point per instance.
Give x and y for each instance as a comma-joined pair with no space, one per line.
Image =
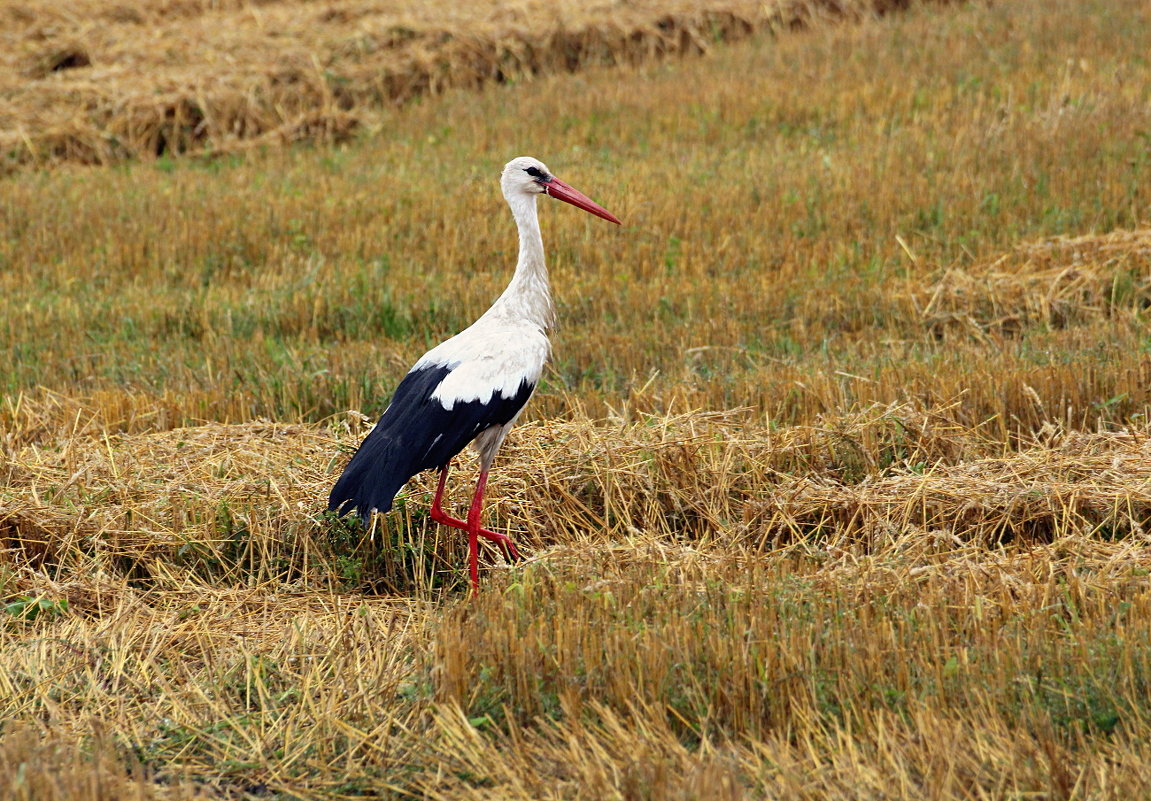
537,173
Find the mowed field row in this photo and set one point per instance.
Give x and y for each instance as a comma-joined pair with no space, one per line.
98,82
837,485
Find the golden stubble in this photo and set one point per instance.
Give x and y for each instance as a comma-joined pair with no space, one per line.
837,486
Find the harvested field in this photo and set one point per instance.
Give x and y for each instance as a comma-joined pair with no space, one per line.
97,81
838,485
201,625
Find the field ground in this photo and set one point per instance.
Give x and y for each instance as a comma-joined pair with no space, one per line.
839,484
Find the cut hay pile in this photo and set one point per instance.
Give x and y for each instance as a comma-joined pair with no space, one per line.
1057,283
242,503
97,82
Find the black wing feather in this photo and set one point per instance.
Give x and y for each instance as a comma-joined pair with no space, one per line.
416,433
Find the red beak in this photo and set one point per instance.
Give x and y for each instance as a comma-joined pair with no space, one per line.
568,194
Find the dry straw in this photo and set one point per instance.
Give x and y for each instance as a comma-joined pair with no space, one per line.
243,502
100,82
706,602
890,543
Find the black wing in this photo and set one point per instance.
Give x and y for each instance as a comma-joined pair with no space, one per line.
416,433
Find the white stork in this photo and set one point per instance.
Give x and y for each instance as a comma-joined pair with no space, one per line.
472,387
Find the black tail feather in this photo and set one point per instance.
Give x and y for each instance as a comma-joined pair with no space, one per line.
372,479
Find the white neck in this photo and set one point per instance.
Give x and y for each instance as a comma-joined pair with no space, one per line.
528,296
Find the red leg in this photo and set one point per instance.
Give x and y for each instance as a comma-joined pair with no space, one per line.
443,518
438,513
475,514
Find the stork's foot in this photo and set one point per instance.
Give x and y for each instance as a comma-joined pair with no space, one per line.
510,549
503,540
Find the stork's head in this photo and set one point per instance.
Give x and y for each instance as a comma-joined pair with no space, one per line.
527,176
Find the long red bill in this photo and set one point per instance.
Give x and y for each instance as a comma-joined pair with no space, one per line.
568,194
